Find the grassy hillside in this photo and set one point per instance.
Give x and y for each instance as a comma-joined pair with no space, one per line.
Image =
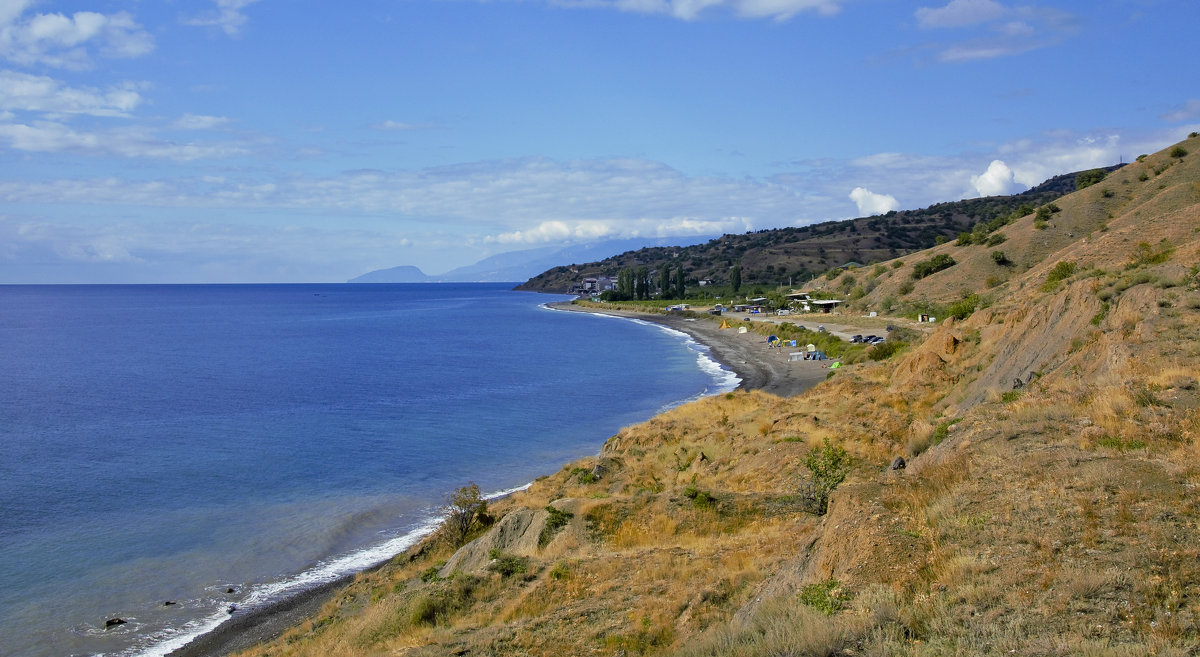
1049,505
788,256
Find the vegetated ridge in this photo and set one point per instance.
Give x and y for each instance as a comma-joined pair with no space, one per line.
1051,428
790,256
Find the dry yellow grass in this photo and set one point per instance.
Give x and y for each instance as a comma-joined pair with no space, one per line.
1060,517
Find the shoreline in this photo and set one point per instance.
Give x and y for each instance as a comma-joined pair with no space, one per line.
743,354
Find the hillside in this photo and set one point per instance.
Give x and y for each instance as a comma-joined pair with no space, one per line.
787,256
1049,505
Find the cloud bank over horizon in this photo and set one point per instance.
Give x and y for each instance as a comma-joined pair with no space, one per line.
495,143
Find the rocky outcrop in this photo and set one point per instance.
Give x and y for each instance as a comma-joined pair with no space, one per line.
517,534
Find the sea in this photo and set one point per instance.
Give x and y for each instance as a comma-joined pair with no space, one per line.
217,445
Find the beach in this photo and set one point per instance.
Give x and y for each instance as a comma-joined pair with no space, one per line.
746,354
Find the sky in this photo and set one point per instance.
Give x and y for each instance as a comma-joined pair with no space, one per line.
243,141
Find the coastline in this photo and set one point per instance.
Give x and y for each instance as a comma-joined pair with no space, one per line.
743,354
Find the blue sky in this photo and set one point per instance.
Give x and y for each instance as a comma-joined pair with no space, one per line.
293,140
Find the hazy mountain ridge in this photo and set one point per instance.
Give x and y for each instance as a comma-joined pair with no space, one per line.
513,266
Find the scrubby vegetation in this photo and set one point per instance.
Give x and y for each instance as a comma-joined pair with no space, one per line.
1051,433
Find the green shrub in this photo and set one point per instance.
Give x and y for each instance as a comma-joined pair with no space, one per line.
1062,271
1106,192
905,288
561,571
506,564
1144,254
584,476
700,499
1088,178
1101,314
999,258
963,308
885,350
995,238
466,509
555,522
829,466
1178,151
825,597
932,266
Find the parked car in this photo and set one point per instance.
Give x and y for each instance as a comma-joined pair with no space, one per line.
856,339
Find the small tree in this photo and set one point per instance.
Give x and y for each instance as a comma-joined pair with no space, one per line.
735,278
829,466
465,507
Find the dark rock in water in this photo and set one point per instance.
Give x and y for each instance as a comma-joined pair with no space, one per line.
230,590
113,622
231,609
168,603
898,463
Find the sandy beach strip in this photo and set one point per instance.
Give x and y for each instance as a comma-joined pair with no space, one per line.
746,354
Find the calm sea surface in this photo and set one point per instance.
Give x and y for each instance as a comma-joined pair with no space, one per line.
172,442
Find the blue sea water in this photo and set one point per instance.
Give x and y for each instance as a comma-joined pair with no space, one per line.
172,442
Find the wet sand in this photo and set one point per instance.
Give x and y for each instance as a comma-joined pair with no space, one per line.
747,354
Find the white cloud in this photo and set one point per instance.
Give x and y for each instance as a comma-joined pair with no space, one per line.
63,41
228,16
401,126
995,30
557,231
960,13
199,122
870,203
689,10
36,93
1189,111
55,137
996,181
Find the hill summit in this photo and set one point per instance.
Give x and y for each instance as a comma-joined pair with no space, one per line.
790,256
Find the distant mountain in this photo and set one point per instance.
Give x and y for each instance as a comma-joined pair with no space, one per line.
401,274
522,265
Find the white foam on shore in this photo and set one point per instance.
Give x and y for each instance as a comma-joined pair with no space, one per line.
324,572
724,379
